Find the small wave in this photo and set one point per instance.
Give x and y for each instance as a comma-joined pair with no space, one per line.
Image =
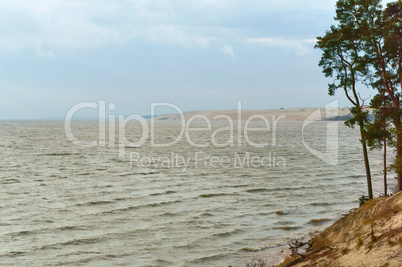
78,253
190,245
81,241
282,212
121,210
159,204
42,221
162,262
14,254
226,234
126,174
355,176
169,214
284,223
256,249
316,222
321,204
21,233
151,205
215,195
353,183
10,181
206,214
70,228
58,154
240,186
116,160
84,261
95,203
147,173
287,228
326,174
122,198
139,173
132,147
163,193
246,175
258,190
297,188
74,242
208,258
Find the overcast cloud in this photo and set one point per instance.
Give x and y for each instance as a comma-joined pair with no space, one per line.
199,55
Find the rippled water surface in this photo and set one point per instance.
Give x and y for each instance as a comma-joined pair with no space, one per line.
61,204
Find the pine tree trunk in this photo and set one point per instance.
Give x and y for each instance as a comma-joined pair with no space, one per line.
366,163
397,123
399,157
399,132
385,167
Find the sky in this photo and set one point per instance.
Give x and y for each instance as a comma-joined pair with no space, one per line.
195,54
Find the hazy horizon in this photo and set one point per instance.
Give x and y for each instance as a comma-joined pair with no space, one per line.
95,116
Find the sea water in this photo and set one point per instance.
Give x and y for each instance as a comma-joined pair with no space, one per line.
178,205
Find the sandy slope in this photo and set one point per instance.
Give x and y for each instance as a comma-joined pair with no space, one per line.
368,236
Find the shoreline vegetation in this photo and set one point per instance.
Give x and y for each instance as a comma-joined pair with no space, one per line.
370,235
363,47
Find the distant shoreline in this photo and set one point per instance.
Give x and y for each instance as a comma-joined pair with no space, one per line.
289,114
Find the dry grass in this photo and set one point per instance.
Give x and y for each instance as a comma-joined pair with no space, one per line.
319,242
390,235
370,245
373,226
359,242
384,213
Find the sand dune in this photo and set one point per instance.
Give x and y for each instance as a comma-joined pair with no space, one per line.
368,236
291,114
